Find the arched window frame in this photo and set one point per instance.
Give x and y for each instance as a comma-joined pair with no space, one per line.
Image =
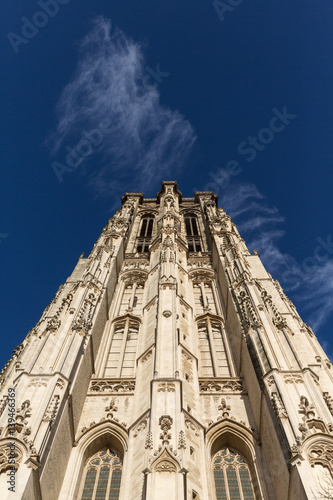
228,433
126,328
145,233
106,460
193,233
232,476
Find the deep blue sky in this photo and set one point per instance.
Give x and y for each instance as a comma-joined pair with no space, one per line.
224,78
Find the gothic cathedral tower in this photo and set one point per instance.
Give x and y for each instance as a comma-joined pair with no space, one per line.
169,366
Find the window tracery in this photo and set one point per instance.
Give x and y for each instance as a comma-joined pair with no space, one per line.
232,476
102,477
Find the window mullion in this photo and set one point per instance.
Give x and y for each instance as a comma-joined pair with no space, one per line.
96,483
226,482
109,483
240,487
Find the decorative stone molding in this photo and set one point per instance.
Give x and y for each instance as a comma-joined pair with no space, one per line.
221,386
52,410
278,406
321,453
164,460
10,456
3,404
53,324
168,283
14,358
166,387
270,380
165,422
329,401
306,408
108,386
83,321
167,314
182,440
110,409
22,414
276,317
248,313
293,379
149,441
38,382
60,383
134,276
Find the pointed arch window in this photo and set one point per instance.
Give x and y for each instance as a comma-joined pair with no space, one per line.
192,233
232,476
102,477
145,233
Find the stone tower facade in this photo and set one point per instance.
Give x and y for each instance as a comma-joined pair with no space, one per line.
169,366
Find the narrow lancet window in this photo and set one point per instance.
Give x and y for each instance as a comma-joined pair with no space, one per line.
192,233
145,234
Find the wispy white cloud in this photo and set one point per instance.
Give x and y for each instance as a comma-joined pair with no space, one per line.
261,226
145,140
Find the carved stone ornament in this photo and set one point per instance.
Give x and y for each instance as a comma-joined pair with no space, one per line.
165,466
112,386
53,324
306,408
149,441
224,408
182,440
329,401
293,379
38,382
278,406
165,422
321,453
3,404
111,409
167,314
165,461
23,413
52,410
10,456
215,386
248,312
166,387
276,317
